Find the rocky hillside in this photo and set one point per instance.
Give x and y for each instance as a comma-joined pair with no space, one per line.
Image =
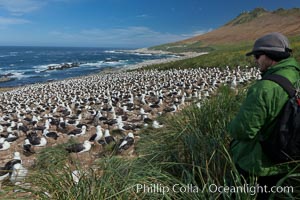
245,27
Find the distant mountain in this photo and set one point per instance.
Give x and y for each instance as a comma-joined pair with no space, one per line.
247,26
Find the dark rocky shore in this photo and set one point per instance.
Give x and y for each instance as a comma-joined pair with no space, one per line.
6,77
63,66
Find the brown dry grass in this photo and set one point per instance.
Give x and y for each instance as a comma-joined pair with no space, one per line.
270,22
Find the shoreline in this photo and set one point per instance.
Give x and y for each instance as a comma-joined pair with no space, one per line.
177,56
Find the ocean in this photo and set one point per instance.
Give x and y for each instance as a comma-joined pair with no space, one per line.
28,65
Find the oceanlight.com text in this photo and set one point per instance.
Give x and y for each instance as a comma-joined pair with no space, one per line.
211,188
250,189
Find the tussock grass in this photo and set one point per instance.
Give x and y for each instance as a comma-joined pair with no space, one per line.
109,178
192,146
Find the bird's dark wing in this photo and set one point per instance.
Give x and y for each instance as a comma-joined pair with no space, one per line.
75,148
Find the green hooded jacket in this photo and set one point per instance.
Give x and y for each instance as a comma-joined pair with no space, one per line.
255,120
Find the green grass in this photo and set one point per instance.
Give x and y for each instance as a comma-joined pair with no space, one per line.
222,57
179,48
231,55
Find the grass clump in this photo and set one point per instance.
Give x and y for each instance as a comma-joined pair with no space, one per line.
192,146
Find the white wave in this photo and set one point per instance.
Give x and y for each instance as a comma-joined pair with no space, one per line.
13,53
115,62
41,68
102,63
18,75
110,51
113,51
3,56
143,54
129,52
93,64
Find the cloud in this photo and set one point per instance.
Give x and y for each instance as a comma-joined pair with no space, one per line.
142,16
4,21
196,33
20,7
134,36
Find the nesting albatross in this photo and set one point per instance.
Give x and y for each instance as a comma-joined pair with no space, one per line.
79,147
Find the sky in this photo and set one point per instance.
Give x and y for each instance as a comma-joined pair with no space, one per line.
118,23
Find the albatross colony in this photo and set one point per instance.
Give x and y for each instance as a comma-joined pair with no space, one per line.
42,115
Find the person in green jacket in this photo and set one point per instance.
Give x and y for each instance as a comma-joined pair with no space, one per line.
256,117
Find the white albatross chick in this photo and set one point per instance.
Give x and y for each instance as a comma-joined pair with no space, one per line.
18,174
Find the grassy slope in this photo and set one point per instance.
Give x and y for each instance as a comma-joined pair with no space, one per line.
223,55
